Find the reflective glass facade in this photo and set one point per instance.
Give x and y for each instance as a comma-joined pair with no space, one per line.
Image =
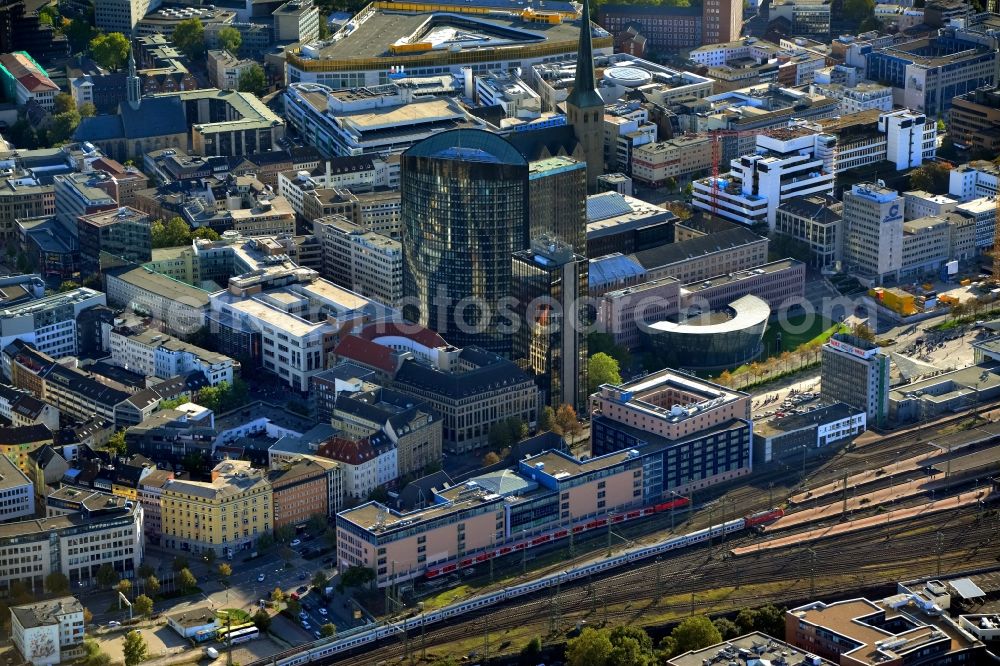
464,213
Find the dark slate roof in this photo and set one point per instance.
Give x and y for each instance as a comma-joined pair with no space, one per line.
28,406
533,143
420,492
44,456
381,406
671,253
87,386
156,116
25,434
98,128
493,372
9,393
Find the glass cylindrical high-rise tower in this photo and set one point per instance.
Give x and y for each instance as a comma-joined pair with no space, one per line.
464,211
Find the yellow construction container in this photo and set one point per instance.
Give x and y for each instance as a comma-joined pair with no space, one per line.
414,47
966,282
897,300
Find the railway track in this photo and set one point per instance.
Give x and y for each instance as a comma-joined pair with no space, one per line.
966,540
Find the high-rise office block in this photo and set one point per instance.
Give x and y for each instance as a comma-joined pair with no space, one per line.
585,106
856,372
548,283
121,15
557,201
464,213
873,219
124,233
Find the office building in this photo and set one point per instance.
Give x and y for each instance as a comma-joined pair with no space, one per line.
862,96
549,284
974,180
465,211
122,15
300,490
170,435
151,353
24,197
974,121
181,307
621,223
786,165
225,515
856,373
806,18
225,69
49,323
17,491
325,386
471,390
918,203
380,40
984,211
78,194
626,128
621,313
91,530
585,106
366,462
873,237
46,632
557,196
364,261
793,438
412,427
677,159
125,233
674,29
926,74
926,246
24,80
816,220
908,627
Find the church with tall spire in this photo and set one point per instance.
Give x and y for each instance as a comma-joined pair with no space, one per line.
133,84
584,105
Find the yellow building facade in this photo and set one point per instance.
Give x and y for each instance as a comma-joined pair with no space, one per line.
225,515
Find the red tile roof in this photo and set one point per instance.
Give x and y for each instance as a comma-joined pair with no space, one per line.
347,451
415,332
366,353
27,74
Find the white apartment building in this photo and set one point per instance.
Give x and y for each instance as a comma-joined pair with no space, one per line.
361,173
49,323
863,96
984,211
911,138
17,493
366,463
714,55
785,166
364,261
225,69
873,223
121,15
155,354
46,631
507,91
973,180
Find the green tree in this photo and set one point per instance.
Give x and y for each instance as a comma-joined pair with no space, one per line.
294,606
931,176
125,586
490,458
107,576
172,233
277,595
189,37
328,630
48,15
62,126
694,633
68,285
546,419
864,332
57,583
726,627
186,580
356,576
88,110
602,342
859,10
225,571
79,32
590,648
134,649
143,605
639,635
205,233
92,654
771,620
602,369
531,651
110,50
262,620
253,80
20,593
319,580
63,102
152,584
230,40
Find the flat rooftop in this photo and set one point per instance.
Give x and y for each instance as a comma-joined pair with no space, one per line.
279,320
738,276
748,650
376,31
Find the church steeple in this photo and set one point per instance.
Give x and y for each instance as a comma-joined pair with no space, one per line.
133,85
584,105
